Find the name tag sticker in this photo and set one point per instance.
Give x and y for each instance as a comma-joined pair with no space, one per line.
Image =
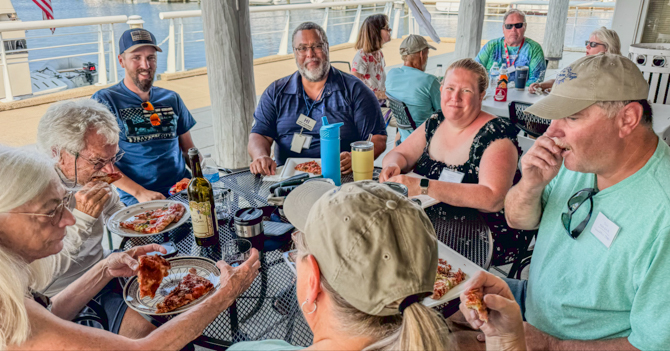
306,122
297,142
604,229
308,142
450,176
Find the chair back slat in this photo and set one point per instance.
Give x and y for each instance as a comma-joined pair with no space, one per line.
529,123
401,114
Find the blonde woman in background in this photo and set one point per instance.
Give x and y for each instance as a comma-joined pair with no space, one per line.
375,303
34,212
368,63
600,40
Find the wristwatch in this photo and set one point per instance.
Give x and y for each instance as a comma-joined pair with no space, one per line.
424,186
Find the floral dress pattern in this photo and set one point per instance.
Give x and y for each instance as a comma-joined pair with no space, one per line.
506,240
371,66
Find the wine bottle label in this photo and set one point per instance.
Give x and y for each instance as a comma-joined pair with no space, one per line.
201,218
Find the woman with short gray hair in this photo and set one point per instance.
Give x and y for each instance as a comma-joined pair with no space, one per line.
600,40
34,214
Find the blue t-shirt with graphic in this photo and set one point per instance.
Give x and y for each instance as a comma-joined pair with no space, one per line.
530,55
153,158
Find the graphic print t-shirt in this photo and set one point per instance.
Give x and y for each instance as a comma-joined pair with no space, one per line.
152,157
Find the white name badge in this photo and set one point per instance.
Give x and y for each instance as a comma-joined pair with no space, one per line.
450,176
511,70
604,229
297,142
306,122
308,142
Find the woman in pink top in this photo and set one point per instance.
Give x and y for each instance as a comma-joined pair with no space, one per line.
368,64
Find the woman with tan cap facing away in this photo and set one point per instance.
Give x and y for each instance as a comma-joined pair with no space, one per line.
367,256
600,40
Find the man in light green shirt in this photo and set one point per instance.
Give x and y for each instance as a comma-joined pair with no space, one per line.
597,185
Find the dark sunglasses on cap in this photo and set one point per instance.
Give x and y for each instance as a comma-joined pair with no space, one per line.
593,44
574,203
515,25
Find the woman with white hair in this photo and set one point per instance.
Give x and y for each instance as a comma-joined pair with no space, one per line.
600,40
367,256
34,213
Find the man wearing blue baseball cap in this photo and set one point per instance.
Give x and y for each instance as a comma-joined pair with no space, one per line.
154,123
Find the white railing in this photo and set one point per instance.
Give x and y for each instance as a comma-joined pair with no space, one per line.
99,22
354,13
176,45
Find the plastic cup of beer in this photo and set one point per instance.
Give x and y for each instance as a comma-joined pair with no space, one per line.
362,160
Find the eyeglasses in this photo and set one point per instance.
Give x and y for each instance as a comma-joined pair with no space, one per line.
574,203
302,50
57,213
154,119
101,163
515,25
593,44
389,29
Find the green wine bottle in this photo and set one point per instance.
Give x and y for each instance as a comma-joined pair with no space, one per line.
201,204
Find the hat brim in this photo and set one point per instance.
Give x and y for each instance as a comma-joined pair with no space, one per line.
302,199
137,46
557,107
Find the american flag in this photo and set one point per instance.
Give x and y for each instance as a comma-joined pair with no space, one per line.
47,10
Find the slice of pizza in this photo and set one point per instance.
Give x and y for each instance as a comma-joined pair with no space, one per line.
191,288
109,178
475,301
180,186
150,274
309,167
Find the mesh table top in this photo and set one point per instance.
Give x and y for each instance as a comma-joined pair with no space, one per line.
269,308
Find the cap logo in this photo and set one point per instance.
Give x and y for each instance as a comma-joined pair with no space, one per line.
565,75
140,35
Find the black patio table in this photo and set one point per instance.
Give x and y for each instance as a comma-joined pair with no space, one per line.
269,308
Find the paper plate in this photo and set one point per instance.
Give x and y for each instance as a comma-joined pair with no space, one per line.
114,222
180,265
289,166
456,261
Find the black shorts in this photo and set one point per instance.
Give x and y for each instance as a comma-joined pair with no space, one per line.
111,300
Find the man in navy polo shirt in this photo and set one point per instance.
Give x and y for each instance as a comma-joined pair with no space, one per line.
314,91
154,136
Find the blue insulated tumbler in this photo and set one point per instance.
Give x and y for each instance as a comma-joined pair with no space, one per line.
330,150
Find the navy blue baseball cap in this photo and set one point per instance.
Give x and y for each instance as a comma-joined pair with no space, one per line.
135,38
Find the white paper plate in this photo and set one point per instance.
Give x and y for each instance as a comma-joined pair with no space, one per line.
456,261
426,201
289,166
180,265
444,252
114,222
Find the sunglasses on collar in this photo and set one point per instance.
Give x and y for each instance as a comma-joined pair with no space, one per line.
515,25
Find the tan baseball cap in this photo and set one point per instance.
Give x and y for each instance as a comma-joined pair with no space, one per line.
601,77
373,245
414,43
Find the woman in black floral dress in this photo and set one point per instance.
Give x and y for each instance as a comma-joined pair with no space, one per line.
470,156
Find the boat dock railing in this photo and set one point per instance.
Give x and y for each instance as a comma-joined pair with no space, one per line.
356,11
98,32
103,33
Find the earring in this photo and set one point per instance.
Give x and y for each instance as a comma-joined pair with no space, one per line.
303,305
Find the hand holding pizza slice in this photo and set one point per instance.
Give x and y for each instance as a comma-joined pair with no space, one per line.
475,301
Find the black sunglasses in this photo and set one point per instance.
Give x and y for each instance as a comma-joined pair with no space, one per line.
574,202
593,44
515,25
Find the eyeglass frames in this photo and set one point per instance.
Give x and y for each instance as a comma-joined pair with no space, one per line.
515,25
574,202
387,28
97,166
593,44
302,50
154,119
101,163
57,213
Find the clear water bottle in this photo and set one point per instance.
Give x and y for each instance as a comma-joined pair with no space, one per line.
494,73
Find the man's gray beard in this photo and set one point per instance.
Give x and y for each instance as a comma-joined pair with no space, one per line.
317,74
145,85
